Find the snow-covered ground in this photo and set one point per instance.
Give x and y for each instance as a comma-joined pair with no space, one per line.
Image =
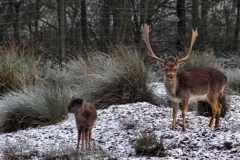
112,133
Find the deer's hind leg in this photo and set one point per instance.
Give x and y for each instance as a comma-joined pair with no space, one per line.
214,104
219,106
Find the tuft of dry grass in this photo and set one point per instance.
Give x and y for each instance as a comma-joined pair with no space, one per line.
33,106
148,145
118,78
18,68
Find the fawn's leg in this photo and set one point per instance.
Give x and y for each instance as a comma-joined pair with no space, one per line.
175,111
79,137
87,138
184,112
83,138
90,137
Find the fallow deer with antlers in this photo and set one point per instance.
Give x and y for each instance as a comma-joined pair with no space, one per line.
201,84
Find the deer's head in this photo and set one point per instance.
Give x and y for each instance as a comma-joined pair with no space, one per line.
170,69
74,105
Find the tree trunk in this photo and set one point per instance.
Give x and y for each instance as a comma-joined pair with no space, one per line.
181,24
105,26
147,11
37,17
15,10
1,25
62,29
84,24
195,14
236,30
203,28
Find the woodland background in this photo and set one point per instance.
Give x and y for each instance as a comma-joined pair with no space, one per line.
62,29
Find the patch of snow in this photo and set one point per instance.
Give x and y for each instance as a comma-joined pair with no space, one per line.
119,126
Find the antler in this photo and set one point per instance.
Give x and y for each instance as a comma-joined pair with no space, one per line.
145,37
194,36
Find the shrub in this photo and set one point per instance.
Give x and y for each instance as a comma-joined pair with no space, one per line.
233,84
205,60
33,106
118,78
22,150
18,68
148,145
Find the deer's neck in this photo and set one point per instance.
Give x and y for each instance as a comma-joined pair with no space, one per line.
171,88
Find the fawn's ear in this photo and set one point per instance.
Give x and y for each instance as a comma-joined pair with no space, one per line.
80,101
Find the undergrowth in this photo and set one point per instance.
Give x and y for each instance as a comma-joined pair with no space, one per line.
118,78
148,145
33,106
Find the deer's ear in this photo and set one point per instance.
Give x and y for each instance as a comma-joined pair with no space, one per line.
180,65
161,64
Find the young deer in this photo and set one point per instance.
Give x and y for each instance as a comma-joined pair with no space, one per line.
85,116
201,84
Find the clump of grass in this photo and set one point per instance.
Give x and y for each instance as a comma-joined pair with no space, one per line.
22,150
233,83
118,78
33,106
18,68
69,152
205,60
148,145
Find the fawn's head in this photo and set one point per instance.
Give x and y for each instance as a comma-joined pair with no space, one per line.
74,105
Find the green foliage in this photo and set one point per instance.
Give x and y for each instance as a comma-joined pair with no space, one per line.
17,67
118,78
148,145
33,106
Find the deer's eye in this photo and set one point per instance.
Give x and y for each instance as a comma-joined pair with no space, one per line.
175,70
166,69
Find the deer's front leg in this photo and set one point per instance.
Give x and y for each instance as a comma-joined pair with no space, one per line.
175,111
79,137
184,112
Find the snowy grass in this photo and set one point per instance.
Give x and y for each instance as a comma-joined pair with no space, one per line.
33,106
24,150
117,141
111,80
